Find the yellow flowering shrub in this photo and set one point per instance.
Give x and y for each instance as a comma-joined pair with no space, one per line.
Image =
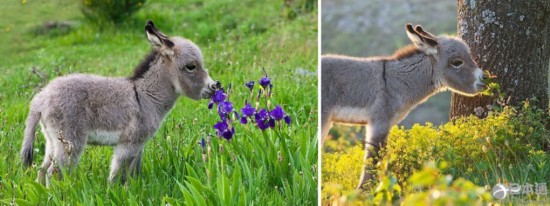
509,145
343,167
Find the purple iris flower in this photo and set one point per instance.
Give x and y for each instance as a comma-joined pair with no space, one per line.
248,110
261,115
223,130
265,81
250,85
262,119
228,134
277,113
219,96
262,125
225,108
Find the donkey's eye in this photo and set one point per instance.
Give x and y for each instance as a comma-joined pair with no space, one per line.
457,63
190,67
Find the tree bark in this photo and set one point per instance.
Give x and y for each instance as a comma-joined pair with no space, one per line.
511,39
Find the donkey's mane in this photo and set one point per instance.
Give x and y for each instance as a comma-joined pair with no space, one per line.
406,51
144,65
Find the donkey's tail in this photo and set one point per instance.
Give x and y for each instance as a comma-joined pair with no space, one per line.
27,147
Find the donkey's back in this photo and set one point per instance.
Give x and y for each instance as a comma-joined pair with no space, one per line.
88,101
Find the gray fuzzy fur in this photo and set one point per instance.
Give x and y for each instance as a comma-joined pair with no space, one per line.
81,109
380,91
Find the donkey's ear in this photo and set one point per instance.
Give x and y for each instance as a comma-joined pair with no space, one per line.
157,39
421,31
421,39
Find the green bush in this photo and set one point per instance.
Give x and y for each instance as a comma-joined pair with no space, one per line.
110,11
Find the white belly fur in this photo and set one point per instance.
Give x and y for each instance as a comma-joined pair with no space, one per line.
350,115
101,137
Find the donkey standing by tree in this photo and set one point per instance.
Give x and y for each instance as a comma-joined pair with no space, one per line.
80,109
380,91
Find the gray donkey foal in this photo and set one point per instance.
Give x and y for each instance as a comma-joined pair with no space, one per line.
380,91
81,109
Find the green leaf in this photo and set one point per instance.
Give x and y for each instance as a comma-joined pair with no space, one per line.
190,171
384,185
98,200
236,183
23,202
426,177
213,197
197,196
41,189
170,200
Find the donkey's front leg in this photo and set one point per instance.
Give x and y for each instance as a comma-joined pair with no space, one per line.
326,124
377,134
125,155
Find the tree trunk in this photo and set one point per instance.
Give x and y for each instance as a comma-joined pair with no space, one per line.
511,39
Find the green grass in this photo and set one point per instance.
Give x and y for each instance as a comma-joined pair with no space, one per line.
238,39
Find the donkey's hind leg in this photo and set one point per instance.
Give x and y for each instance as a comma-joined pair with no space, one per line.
135,165
66,147
48,156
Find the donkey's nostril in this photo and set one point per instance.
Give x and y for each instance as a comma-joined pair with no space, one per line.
217,86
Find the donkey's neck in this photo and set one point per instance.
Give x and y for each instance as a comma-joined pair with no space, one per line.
413,79
154,91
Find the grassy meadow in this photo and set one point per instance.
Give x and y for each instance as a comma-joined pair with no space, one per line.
237,38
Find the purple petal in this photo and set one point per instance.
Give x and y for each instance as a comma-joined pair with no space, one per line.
287,119
271,122
225,108
219,96
210,105
250,85
221,126
228,134
244,120
278,113
262,125
248,110
264,81
262,114
203,143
